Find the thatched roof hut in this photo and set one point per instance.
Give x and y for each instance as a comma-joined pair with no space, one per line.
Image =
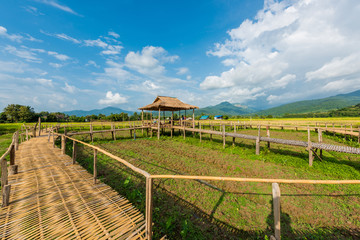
168,104
162,103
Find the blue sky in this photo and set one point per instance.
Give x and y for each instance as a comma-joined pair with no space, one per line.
58,55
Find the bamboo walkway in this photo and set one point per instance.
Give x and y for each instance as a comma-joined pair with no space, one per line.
53,199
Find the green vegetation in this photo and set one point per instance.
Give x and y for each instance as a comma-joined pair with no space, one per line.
314,106
185,209
224,108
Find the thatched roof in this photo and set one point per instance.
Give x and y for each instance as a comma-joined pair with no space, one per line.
168,104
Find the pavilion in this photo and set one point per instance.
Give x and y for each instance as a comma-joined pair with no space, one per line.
162,103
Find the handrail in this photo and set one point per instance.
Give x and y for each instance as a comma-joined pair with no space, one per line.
150,178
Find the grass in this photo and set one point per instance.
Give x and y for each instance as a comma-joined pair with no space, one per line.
185,209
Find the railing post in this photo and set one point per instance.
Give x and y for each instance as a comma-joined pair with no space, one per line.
268,135
276,208
223,135
53,138
74,152
149,203
27,135
258,142
200,131
184,131
13,169
311,156
91,132
17,140
5,188
234,137
63,144
95,161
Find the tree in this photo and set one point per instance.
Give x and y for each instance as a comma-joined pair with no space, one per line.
16,112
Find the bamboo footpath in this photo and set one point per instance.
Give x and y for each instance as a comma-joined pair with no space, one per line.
52,198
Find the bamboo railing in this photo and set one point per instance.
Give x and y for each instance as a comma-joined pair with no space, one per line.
5,172
150,178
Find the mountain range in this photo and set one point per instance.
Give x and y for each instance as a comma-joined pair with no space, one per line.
106,111
235,109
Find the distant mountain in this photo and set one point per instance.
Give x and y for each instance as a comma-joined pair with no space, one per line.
225,108
316,105
106,111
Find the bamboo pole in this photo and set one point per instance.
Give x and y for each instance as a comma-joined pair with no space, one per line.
172,123
158,133
233,143
63,144
258,142
276,208
95,165
268,135
142,122
149,206
258,180
74,152
311,156
223,135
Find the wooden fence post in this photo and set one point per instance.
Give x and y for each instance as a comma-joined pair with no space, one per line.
17,140
223,135
27,135
63,144
311,156
258,142
200,131
184,130
211,129
74,152
95,161
276,208
234,137
149,206
359,136
320,140
91,133
134,130
268,135
13,169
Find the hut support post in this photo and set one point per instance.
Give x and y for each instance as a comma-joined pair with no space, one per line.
311,156
276,207
149,206
158,133
95,161
142,122
193,121
172,123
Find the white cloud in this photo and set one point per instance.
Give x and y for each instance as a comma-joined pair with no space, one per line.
112,50
61,57
310,44
12,67
68,88
45,82
113,34
95,43
66,37
182,71
57,5
150,85
111,98
92,63
12,37
33,10
56,65
149,61
337,67
22,53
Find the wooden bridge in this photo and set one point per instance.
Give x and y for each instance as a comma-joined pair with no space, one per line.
52,198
